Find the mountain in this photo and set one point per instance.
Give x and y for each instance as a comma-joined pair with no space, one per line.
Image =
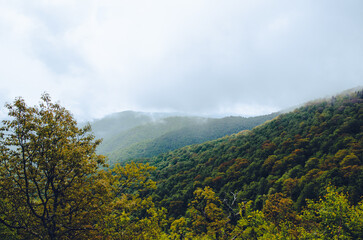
297,153
144,132
151,138
122,121
297,176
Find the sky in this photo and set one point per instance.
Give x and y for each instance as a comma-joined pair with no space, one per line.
201,57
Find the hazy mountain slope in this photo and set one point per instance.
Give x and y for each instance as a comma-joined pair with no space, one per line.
118,122
195,132
298,153
145,132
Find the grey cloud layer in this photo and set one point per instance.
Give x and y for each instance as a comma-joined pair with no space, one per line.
242,57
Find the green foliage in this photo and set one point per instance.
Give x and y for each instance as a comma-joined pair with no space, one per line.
205,219
297,153
131,214
252,224
332,217
132,178
281,174
206,214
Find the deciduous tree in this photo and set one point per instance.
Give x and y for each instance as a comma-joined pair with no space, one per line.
50,185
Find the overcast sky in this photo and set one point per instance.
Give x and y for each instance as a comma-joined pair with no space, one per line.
194,56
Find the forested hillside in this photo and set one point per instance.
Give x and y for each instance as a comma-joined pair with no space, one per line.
298,176
166,134
143,132
297,154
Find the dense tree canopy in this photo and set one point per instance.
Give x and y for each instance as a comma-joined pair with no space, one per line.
297,154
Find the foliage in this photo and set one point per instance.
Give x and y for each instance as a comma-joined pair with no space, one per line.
279,209
297,154
206,214
298,176
131,214
50,184
332,217
253,223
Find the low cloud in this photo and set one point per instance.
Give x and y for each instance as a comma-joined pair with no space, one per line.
232,57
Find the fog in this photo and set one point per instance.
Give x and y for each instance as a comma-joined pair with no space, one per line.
195,57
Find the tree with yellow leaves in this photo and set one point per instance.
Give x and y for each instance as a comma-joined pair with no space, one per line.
332,217
50,185
131,213
207,216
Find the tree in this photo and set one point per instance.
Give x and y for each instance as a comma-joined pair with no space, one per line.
278,209
252,224
50,185
132,214
207,216
332,217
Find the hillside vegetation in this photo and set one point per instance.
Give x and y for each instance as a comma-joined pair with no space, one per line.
297,176
297,154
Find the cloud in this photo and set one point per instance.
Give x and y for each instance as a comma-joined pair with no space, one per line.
242,57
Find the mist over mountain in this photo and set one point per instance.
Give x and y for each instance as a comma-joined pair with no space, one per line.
130,135
118,122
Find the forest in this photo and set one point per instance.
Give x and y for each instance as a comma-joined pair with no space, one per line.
297,176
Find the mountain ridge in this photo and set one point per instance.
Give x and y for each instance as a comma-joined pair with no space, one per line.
297,153
151,138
